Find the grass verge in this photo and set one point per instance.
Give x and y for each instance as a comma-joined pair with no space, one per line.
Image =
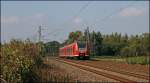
51,73
143,60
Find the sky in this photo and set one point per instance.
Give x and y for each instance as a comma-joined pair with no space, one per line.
21,19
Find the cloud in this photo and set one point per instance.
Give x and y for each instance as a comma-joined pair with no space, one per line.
77,20
36,18
9,19
39,16
131,11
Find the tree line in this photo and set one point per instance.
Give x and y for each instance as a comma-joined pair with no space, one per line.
107,44
113,44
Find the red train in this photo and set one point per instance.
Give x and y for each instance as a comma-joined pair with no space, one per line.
77,49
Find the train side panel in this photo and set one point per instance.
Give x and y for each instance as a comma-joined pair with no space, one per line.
72,50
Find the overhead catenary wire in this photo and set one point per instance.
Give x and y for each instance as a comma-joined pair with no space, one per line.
107,17
37,36
34,36
103,19
113,13
80,11
74,16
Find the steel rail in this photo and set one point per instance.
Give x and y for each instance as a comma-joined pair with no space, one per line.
115,77
121,72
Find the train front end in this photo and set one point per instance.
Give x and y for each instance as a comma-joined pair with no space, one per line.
82,50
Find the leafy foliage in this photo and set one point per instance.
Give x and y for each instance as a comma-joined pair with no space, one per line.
52,48
96,43
18,59
74,36
138,60
114,44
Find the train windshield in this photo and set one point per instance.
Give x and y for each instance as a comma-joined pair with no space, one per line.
81,44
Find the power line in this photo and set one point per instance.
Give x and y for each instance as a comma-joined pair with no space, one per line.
80,10
114,12
33,37
40,34
105,18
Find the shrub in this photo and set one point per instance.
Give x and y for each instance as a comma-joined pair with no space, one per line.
17,60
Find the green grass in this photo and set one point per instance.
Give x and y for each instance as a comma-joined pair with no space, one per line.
138,60
109,58
144,60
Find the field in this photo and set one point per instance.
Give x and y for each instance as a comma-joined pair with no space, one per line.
144,60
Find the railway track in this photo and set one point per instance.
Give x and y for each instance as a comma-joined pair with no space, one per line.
118,76
119,71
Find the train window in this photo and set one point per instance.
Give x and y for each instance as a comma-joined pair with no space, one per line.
60,52
71,50
68,51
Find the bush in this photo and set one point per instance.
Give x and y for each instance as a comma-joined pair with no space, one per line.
18,60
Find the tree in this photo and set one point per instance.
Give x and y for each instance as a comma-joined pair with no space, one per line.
114,44
125,51
77,35
98,43
52,48
92,43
